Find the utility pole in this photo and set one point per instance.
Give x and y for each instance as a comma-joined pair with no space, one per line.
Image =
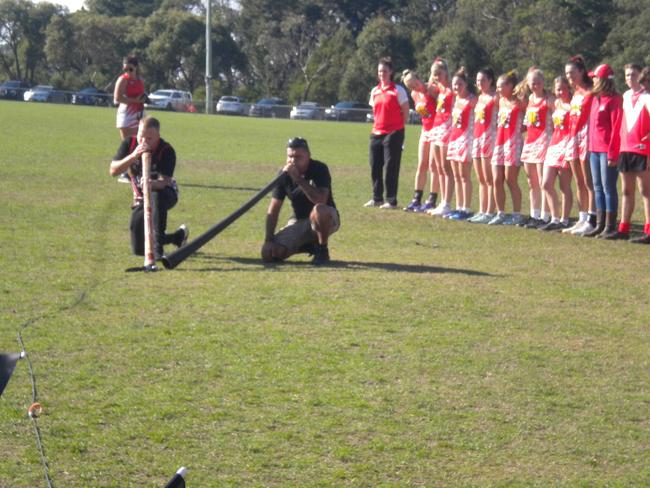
208,57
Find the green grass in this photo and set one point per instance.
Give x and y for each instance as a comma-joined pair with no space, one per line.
432,353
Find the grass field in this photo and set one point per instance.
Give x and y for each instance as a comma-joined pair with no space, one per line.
431,353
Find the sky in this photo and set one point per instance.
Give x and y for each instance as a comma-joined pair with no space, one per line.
72,5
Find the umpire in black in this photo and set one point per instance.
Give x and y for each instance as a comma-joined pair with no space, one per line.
164,192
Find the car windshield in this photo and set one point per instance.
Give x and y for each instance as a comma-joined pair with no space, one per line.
89,90
162,93
229,99
268,101
308,105
344,105
43,88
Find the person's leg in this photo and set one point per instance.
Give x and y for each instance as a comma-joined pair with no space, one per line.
628,190
643,180
546,209
456,168
567,194
434,183
322,221
534,190
392,159
498,177
591,204
136,228
161,202
482,185
420,174
448,176
466,184
548,184
487,171
376,151
598,177
512,179
582,195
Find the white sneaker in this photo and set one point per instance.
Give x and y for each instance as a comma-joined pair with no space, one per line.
569,230
440,210
388,206
373,203
583,229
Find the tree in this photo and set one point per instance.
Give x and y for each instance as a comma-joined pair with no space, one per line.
122,8
380,37
14,16
628,40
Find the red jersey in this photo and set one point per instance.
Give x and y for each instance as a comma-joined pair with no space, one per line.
386,107
580,109
508,121
537,120
134,89
425,106
444,106
483,116
461,117
603,119
633,132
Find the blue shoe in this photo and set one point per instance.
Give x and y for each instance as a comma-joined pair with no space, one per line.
424,207
452,215
460,215
483,219
414,206
509,220
497,220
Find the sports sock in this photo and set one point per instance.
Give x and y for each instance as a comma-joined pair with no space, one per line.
432,198
545,216
646,228
582,217
535,213
624,227
564,221
417,195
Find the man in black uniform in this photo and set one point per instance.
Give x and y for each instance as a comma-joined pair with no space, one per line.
164,192
308,185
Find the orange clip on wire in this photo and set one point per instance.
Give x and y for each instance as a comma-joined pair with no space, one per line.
34,410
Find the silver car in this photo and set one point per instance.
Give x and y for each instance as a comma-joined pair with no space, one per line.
230,105
180,101
306,111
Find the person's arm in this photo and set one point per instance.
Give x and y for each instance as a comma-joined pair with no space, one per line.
272,215
119,94
315,195
615,118
404,107
120,165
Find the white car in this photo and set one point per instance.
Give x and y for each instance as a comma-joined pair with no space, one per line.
306,110
178,100
231,105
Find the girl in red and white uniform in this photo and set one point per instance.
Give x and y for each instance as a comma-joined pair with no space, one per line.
539,128
425,105
460,144
633,138
555,163
485,129
507,150
440,133
576,72
129,93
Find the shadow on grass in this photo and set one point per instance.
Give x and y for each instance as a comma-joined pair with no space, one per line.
218,187
351,265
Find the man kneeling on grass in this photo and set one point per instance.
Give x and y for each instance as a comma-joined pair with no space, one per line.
164,192
308,185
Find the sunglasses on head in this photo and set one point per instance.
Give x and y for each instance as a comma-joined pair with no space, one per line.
297,142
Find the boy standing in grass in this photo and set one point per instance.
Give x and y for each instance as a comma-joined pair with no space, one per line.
164,192
308,185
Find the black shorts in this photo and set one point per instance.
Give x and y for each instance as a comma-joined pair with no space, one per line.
628,162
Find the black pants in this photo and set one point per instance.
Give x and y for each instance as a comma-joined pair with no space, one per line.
386,151
161,202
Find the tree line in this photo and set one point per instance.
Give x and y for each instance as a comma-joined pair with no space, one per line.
320,50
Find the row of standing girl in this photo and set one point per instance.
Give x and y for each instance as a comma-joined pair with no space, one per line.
584,130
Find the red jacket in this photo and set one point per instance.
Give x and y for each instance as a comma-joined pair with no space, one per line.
603,120
386,109
633,132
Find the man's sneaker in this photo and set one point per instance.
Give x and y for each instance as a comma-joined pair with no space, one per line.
373,203
414,206
186,234
498,220
425,207
644,239
461,215
576,226
321,255
388,206
583,229
124,178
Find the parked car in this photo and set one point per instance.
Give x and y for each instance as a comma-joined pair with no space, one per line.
306,111
92,96
230,105
170,100
44,93
355,111
13,90
269,107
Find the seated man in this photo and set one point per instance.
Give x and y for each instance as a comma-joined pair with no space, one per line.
308,185
164,192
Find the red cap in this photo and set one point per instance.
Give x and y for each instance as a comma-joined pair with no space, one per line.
603,71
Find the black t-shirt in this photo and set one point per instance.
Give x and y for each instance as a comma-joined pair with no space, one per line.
163,159
318,176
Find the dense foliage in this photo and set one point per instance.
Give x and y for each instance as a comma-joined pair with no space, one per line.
321,50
